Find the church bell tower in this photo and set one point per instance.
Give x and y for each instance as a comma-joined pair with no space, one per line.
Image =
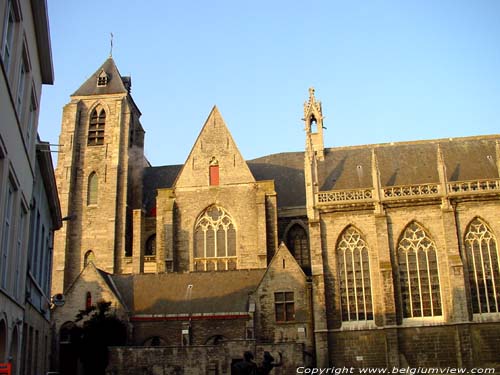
99,174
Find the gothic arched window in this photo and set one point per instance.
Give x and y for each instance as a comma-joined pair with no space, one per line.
484,273
89,257
96,128
150,246
92,189
298,244
214,240
418,273
354,274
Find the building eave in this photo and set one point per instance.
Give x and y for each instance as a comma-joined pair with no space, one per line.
41,22
49,182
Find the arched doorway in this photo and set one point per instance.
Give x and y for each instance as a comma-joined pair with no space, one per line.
14,351
68,356
3,341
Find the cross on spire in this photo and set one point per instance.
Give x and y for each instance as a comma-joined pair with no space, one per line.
111,48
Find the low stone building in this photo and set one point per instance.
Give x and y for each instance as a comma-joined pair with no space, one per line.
367,256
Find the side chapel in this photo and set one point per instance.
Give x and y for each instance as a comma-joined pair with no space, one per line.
365,256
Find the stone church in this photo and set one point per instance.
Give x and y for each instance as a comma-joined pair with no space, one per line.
380,255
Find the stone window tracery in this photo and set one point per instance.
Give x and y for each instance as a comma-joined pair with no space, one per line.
354,273
214,240
96,128
483,266
418,273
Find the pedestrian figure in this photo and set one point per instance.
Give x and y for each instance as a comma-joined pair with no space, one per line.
268,364
245,367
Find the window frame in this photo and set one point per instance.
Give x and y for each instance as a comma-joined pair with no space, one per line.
20,245
488,269
93,189
31,118
347,277
97,127
208,231
9,30
8,230
284,302
304,258
415,245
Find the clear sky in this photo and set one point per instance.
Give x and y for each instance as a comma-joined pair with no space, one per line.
384,70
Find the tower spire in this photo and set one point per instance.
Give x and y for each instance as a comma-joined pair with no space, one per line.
313,117
111,47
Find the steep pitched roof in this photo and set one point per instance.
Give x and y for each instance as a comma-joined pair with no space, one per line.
401,163
115,84
408,163
156,178
287,171
214,143
169,293
284,265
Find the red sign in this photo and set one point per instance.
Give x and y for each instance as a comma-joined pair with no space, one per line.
5,369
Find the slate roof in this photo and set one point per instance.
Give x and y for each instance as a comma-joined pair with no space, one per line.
401,163
156,178
115,83
287,171
409,162
168,293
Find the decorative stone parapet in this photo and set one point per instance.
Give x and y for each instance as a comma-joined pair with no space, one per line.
391,193
341,196
410,190
473,186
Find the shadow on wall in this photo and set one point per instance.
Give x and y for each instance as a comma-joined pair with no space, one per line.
201,360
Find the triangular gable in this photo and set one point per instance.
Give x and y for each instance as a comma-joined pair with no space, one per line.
99,284
214,146
283,265
114,84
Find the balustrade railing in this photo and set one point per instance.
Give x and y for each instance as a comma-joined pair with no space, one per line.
340,196
407,191
404,191
473,186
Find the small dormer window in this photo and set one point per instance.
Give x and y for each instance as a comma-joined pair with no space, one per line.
102,79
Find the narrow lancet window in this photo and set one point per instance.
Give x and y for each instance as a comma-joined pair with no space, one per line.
484,273
96,128
418,273
354,273
92,189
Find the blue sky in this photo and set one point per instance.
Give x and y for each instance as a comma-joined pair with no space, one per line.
384,70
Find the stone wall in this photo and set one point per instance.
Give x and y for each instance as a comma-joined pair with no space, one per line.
455,346
200,360
201,331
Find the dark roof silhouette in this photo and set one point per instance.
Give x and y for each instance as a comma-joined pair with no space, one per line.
169,293
116,83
